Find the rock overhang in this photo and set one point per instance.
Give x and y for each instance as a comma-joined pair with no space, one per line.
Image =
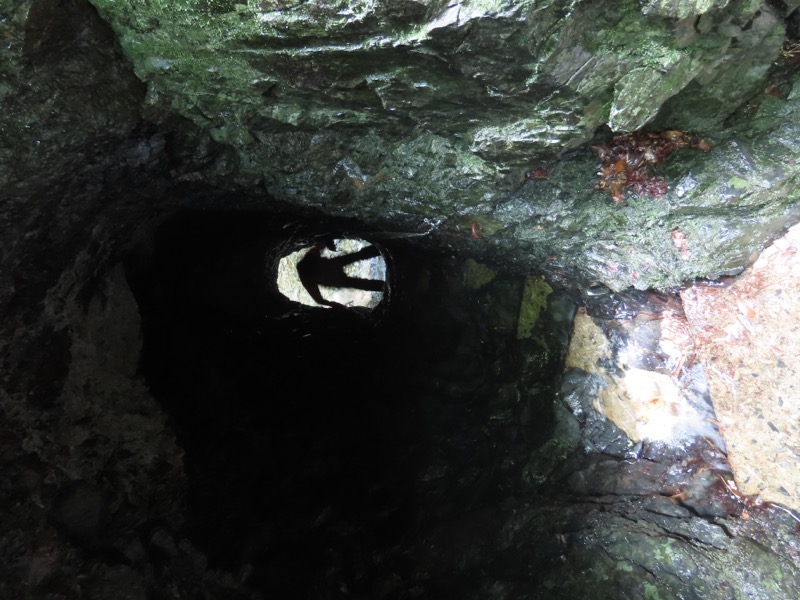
400,113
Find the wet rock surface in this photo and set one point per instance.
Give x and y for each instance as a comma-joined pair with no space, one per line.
431,110
418,452
743,333
170,427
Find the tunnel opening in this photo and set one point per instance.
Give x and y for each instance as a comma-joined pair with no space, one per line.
326,449
338,273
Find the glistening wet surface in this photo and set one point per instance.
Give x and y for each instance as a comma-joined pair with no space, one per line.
436,447
747,336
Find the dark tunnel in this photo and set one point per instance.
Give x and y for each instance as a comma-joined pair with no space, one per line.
326,449
518,406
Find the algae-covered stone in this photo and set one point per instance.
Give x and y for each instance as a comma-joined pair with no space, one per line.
478,274
534,301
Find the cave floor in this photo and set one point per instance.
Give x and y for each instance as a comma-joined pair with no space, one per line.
747,337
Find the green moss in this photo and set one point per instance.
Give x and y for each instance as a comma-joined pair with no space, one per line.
534,301
643,62
478,274
738,183
625,567
652,592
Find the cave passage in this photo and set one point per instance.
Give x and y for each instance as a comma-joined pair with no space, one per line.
324,447
334,274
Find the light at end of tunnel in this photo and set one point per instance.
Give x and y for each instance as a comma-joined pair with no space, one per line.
336,271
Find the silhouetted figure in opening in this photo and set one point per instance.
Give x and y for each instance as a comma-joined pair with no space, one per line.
316,270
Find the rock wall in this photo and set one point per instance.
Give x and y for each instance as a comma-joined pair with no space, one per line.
401,112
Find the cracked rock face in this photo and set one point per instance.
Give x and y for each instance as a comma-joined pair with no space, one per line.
397,112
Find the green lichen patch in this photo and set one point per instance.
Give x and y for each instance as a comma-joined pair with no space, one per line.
534,301
477,274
